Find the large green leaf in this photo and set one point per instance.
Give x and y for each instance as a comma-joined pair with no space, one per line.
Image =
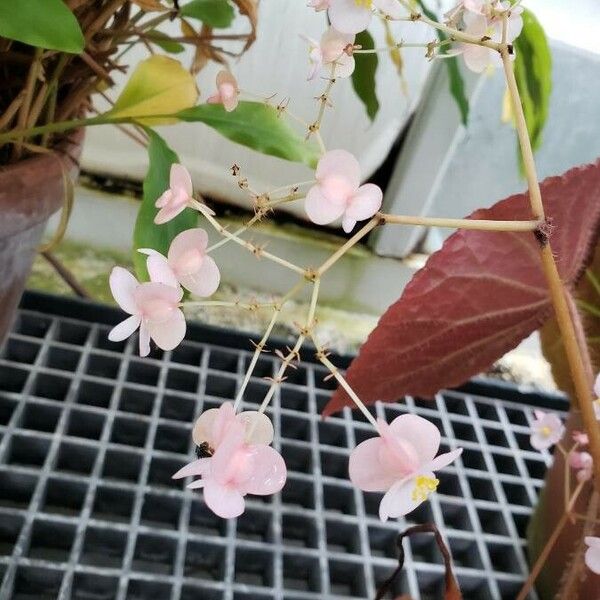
146,233
457,84
42,23
256,125
533,71
363,77
214,13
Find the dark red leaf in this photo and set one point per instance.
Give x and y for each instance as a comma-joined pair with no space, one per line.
477,297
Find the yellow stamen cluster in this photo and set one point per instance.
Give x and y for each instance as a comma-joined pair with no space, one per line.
546,431
423,487
365,3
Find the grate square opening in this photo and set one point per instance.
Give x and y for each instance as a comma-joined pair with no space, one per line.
187,354
464,432
334,465
113,504
121,465
204,522
53,387
509,589
7,406
298,493
16,489
142,589
296,376
482,489
475,587
172,438
486,411
12,379
516,494
382,542
62,358
222,386
449,483
204,561
85,424
51,540
69,332
536,468
300,531
362,434
27,450
93,586
323,379
39,417
424,549
99,365
342,537
183,381
339,499
176,408
255,525
516,416
347,578
492,522
263,367
154,554
292,399
10,527
33,325
193,591
521,521
20,351
456,516
161,471
92,393
371,502
296,428
331,434
455,405
505,464
101,342
36,583
400,585
465,553
223,360
254,567
142,372
161,511
136,401
251,596
495,437
103,547
63,496
473,459
358,417
129,432
503,557
297,458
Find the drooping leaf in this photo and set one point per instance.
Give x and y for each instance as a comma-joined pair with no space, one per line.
158,86
162,40
456,81
256,125
477,297
533,72
146,233
363,77
214,13
42,23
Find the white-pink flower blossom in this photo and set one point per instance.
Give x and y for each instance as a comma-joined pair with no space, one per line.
186,263
227,91
338,192
353,16
583,463
318,5
177,198
592,554
581,438
331,50
546,430
154,308
401,463
241,462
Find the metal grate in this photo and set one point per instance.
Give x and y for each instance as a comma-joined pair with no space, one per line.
90,435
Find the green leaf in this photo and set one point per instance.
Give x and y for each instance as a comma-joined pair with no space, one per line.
457,84
43,23
162,40
214,13
533,72
146,233
256,125
363,77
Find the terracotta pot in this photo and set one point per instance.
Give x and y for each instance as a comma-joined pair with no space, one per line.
547,514
30,192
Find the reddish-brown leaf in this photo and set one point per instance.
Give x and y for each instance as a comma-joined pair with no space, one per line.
477,297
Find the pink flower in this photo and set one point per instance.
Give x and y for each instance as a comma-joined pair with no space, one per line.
331,50
353,16
546,430
592,554
338,192
583,463
241,460
318,5
177,197
401,463
186,263
581,438
227,91
154,308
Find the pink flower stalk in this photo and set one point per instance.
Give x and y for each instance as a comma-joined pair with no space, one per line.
353,16
241,461
592,554
154,308
333,49
401,463
338,192
186,263
318,5
583,463
546,430
227,91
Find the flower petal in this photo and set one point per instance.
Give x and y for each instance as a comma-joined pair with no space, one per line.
365,202
122,286
366,470
196,467
344,66
320,209
124,329
160,271
268,472
398,500
339,164
180,180
477,58
348,223
205,281
169,333
204,427
157,301
592,559
421,434
258,427
144,340
391,8
443,460
348,16
225,501
168,212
